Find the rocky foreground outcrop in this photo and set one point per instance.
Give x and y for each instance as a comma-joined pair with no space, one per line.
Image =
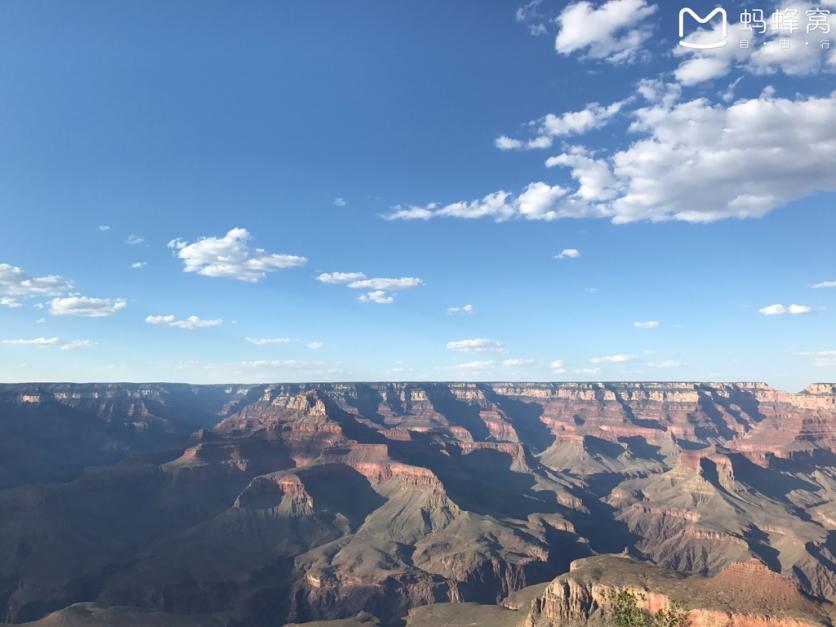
264,504
743,594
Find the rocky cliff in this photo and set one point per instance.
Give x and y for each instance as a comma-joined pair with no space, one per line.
258,504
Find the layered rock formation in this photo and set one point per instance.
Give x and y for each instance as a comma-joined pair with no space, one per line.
263,504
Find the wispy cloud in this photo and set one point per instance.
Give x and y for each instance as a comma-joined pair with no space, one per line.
138,265
824,285
134,240
35,341
476,345
267,341
647,324
340,202
464,310
613,359
190,323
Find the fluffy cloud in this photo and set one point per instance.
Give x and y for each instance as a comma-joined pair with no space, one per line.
86,306
478,345
377,296
11,303
138,265
823,285
464,310
612,359
647,324
190,323
266,341
702,162
568,253
340,202
557,366
14,282
765,54
552,126
613,32
694,161
780,310
231,257
314,345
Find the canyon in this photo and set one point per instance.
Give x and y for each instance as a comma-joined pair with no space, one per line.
415,503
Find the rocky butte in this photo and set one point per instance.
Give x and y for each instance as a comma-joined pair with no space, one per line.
415,503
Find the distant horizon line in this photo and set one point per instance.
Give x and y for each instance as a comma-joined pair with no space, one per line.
426,382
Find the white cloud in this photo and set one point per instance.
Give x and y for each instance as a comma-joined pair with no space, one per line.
702,162
647,324
779,310
557,366
612,359
314,345
551,126
529,14
568,253
586,370
612,32
464,310
402,283
76,344
231,257
517,362
190,323
378,288
694,161
104,227
134,240
824,285
15,282
340,277
11,303
764,55
35,341
477,345
86,306
266,341
340,202
138,265
377,296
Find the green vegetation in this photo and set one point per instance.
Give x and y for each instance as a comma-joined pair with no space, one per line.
625,612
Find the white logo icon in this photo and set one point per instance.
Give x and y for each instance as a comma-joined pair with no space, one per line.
699,45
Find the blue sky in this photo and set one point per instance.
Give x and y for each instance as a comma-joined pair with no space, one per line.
241,156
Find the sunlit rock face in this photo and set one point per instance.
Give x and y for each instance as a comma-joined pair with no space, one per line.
265,504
